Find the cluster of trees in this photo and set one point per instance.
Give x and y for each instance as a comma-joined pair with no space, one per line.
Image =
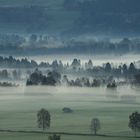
45,44
10,74
112,85
3,74
134,122
7,84
37,78
75,68
33,43
123,46
44,121
53,78
82,82
10,41
122,70
10,62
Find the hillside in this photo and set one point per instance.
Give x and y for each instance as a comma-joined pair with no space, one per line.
70,16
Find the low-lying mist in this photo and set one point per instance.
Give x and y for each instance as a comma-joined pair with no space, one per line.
68,94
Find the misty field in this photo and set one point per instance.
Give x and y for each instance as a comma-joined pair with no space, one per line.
19,106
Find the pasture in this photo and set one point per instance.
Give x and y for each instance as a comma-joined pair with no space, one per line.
19,106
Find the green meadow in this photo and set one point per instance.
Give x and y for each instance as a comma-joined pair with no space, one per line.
19,106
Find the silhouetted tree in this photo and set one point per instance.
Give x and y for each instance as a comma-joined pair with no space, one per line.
89,64
95,125
76,63
55,64
4,74
33,38
134,122
125,69
56,75
108,67
43,119
132,68
96,83
15,74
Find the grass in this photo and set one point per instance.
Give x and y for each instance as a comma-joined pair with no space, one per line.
18,112
9,136
15,136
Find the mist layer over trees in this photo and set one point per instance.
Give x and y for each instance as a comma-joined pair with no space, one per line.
34,44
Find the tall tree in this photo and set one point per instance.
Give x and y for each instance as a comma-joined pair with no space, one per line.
108,67
134,122
95,125
43,119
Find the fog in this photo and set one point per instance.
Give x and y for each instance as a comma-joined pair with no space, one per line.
78,94
125,93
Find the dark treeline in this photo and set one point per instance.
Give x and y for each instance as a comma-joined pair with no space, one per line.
54,78
10,62
75,66
15,69
57,73
45,44
124,46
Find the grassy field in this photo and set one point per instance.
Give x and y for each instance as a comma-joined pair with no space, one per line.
18,109
8,136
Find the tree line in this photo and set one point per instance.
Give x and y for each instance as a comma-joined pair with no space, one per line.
47,44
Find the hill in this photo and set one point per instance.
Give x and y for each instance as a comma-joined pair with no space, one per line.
70,16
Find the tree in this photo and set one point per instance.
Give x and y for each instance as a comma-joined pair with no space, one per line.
50,81
134,122
125,69
33,38
15,74
96,83
90,64
108,67
43,119
132,68
5,74
137,78
56,75
76,63
95,125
